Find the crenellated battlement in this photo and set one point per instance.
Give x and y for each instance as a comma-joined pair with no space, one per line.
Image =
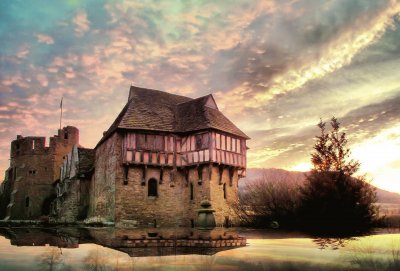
29,145
67,136
36,145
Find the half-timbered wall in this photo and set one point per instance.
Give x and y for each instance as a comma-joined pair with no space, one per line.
173,150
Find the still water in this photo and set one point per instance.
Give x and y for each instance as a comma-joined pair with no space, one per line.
220,249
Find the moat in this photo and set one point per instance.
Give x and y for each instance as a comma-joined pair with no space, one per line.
73,248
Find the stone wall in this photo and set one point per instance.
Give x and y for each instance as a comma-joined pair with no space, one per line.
120,191
62,145
5,194
173,205
68,204
224,206
72,205
108,172
33,177
35,168
167,209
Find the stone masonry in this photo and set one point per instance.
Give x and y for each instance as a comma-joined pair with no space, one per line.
33,169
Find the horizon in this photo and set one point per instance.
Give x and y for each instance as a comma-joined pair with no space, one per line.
274,68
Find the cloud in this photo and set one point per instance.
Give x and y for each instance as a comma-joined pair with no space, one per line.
44,39
337,54
287,147
81,23
42,79
274,67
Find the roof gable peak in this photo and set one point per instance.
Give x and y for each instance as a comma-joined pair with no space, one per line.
210,102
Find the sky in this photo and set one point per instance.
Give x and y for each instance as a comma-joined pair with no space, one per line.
275,69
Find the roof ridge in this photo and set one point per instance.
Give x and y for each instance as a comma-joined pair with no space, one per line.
195,99
135,88
156,110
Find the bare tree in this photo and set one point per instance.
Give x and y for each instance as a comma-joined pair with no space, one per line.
269,199
96,260
51,259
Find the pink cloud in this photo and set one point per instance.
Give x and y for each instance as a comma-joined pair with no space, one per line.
16,79
42,79
81,22
42,38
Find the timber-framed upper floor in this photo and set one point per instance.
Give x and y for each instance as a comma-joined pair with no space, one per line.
174,150
160,128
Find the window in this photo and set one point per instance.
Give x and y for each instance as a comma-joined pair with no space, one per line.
66,135
33,144
198,142
32,172
200,173
126,172
191,191
192,223
152,188
227,222
161,175
155,223
231,175
27,202
202,141
224,188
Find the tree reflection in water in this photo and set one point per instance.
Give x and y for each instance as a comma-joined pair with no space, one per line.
96,260
333,243
52,259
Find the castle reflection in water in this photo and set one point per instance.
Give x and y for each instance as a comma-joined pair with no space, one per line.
134,242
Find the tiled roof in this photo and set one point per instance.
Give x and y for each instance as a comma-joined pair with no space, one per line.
155,110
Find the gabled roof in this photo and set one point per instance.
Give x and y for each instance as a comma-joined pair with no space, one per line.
155,110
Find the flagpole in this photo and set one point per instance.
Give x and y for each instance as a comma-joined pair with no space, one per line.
61,105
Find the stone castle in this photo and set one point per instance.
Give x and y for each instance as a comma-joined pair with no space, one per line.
160,158
27,191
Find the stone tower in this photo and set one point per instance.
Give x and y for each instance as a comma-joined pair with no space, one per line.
33,169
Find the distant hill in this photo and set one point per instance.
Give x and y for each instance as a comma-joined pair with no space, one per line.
254,174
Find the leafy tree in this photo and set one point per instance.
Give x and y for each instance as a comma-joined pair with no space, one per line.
333,200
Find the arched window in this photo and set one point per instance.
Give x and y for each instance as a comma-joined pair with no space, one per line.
27,202
152,188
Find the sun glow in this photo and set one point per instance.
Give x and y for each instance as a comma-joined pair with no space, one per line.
379,157
301,167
